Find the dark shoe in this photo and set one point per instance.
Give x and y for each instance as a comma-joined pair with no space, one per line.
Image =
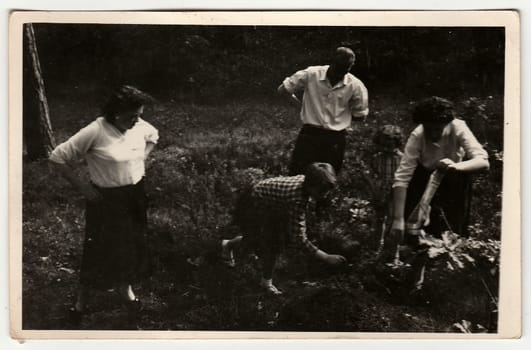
75,316
418,296
133,306
133,311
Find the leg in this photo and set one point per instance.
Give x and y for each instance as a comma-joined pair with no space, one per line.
331,149
268,266
270,247
75,312
230,244
453,202
304,153
131,301
81,298
418,270
126,292
227,247
335,151
379,226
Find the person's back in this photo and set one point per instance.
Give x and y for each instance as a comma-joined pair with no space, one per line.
274,211
280,190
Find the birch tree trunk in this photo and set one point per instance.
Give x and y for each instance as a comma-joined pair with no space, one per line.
37,128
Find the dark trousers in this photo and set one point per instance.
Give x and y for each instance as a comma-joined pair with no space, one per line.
315,144
264,229
450,205
450,209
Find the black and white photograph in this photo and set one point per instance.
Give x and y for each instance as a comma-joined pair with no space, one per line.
289,173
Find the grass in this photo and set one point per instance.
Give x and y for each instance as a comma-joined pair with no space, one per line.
203,158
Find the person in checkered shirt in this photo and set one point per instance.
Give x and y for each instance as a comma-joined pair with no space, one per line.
273,211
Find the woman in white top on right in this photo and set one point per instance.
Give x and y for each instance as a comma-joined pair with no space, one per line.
440,141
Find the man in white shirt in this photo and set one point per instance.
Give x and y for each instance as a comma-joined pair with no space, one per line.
332,98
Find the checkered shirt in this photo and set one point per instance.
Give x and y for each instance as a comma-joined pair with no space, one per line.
285,194
384,165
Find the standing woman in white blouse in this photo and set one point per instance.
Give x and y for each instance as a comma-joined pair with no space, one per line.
440,141
115,147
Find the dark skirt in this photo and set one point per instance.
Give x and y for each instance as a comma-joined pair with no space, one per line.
450,206
115,249
315,144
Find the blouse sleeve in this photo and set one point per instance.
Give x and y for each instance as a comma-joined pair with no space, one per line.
359,103
151,134
76,146
470,144
297,81
409,161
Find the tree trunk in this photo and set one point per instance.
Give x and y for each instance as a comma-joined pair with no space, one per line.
37,128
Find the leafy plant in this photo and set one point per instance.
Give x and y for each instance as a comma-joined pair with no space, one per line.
450,249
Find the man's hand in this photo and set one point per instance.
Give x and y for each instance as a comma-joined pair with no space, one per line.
296,100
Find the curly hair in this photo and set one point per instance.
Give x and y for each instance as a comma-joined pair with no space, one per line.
320,175
389,132
433,109
124,99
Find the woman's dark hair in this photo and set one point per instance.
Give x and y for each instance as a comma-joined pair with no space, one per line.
320,175
434,109
124,99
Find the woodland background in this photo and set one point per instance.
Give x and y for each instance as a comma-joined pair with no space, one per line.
221,122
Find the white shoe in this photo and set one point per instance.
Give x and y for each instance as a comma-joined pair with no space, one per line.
227,256
269,287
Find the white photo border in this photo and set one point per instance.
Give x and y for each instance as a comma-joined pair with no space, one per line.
510,276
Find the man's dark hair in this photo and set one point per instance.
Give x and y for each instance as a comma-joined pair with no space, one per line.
344,54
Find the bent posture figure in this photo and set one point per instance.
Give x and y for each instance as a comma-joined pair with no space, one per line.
439,142
274,210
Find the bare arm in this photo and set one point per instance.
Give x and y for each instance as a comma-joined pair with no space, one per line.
468,166
399,203
476,154
297,226
472,165
403,176
292,97
149,148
